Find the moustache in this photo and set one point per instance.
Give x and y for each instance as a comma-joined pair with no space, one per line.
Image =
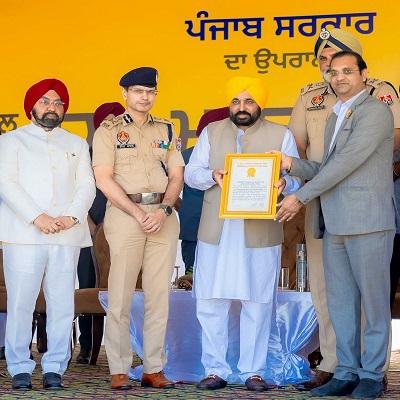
242,113
50,113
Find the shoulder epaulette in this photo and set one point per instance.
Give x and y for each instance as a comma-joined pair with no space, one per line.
162,120
109,124
377,83
313,86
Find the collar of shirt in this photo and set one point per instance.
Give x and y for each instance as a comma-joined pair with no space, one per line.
347,104
39,131
340,109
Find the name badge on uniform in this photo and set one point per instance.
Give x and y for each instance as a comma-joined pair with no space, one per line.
123,138
162,144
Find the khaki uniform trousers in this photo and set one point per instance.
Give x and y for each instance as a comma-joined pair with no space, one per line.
327,336
131,250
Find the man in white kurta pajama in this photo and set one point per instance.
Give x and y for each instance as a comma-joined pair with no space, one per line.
47,188
235,258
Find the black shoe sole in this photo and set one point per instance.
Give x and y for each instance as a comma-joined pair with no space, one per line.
53,388
22,388
170,386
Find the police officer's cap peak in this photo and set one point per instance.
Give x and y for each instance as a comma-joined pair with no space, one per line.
143,76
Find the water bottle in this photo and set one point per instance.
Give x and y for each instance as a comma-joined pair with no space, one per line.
301,267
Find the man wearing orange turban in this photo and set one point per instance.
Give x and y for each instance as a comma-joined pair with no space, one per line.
236,258
47,188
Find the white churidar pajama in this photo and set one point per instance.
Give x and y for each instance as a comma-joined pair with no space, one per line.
25,266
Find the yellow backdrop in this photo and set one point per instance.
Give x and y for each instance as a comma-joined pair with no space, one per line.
195,45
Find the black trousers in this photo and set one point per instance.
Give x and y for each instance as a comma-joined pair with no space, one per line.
188,250
87,279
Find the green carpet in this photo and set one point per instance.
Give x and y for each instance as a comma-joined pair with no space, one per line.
92,382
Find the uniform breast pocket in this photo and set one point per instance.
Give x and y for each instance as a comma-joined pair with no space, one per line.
316,127
159,154
125,159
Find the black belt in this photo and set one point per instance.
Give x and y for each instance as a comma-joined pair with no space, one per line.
146,198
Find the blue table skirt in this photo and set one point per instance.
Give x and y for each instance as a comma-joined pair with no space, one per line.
293,337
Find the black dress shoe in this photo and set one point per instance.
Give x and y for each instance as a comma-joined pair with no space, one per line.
256,384
368,389
84,356
211,382
21,381
2,353
51,380
335,387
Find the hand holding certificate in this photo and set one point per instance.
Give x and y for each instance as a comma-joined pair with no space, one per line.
248,188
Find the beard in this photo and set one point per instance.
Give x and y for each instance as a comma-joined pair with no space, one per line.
48,120
325,75
244,118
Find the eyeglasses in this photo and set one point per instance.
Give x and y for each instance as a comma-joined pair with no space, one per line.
151,92
344,72
48,103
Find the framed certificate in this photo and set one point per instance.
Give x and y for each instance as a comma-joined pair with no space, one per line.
248,190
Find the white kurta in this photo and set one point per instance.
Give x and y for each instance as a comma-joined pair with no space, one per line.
229,270
44,172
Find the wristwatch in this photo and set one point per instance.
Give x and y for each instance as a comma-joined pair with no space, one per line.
74,220
167,209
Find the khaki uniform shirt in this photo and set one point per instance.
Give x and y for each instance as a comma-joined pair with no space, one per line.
314,106
137,153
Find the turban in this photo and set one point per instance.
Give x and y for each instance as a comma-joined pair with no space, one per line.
257,90
39,89
212,116
337,39
105,109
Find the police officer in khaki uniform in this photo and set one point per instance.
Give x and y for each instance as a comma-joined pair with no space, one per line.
139,167
307,122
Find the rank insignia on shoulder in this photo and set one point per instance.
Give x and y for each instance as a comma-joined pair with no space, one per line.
386,98
162,120
110,123
162,144
127,118
179,144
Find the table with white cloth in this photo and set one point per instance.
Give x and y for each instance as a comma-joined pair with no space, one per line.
293,337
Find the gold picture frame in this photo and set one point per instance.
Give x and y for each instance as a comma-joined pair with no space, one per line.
248,190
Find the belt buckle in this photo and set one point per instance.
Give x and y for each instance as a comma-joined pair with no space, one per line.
149,198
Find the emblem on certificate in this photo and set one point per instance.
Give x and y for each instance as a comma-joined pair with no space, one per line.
248,190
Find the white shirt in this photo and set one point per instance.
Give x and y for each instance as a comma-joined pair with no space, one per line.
341,109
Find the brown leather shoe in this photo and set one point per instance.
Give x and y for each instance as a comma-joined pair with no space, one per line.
212,382
157,380
320,378
256,384
120,381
